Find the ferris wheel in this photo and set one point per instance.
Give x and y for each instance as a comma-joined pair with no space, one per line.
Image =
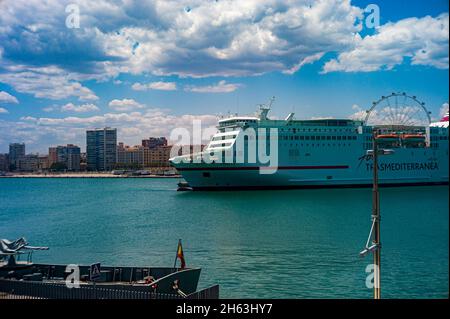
398,109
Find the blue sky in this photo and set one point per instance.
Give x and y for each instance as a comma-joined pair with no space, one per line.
149,66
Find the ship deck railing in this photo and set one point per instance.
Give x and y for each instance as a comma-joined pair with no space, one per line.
18,289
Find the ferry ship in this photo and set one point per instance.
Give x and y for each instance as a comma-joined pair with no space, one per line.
319,153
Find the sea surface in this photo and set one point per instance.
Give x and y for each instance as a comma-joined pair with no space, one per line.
258,244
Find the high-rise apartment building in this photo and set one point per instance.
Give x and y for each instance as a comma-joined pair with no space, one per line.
52,156
101,149
16,151
70,156
4,162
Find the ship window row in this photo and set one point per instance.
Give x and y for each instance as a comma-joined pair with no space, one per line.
319,145
222,144
295,130
225,137
295,152
319,138
439,138
292,152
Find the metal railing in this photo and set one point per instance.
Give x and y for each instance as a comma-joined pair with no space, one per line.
207,293
17,289
61,291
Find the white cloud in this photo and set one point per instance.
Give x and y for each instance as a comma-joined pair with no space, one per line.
50,108
214,38
443,110
5,97
359,113
139,87
88,107
46,82
125,105
425,41
3,110
160,85
220,87
308,60
38,133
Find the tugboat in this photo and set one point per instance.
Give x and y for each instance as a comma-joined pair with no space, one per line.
55,281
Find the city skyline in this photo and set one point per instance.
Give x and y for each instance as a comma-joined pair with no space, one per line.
148,67
145,141
104,152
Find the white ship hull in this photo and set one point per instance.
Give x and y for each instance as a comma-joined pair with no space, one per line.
322,161
416,168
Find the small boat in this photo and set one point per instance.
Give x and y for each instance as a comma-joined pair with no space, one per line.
170,173
51,280
183,186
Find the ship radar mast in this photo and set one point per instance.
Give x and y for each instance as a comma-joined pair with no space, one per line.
265,108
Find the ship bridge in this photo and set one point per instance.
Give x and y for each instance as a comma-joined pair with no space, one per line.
222,140
236,122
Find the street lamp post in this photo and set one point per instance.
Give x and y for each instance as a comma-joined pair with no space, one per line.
376,223
374,235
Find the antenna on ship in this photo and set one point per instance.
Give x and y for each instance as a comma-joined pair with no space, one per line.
265,108
272,99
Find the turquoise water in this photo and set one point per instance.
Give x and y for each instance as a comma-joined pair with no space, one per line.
274,244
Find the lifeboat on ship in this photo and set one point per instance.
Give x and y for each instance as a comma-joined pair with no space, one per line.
387,137
413,138
388,140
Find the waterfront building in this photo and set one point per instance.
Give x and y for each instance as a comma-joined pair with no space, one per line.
101,149
52,156
154,142
69,155
43,162
27,163
130,156
83,164
4,162
157,157
16,150
139,156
